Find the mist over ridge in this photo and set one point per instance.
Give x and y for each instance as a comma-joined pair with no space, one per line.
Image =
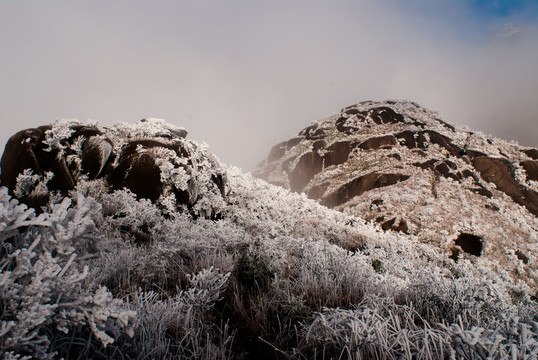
244,76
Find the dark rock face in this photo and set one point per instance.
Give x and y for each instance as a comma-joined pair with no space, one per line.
391,224
27,150
277,151
20,154
308,165
379,115
449,170
531,169
96,154
499,172
420,140
532,153
313,133
353,117
360,185
346,126
137,172
408,139
521,256
374,143
385,115
338,153
72,153
468,243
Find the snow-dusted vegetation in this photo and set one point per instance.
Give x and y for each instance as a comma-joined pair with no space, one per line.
446,180
104,274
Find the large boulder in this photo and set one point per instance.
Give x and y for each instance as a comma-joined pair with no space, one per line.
152,159
33,155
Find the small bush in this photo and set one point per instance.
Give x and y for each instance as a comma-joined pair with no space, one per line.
39,280
254,269
378,266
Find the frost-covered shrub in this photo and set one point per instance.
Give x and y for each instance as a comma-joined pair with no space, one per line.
269,211
195,173
136,218
175,245
377,329
181,326
40,288
381,329
254,268
509,339
30,184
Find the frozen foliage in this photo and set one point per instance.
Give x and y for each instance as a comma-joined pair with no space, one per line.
151,128
378,329
40,280
509,339
197,179
381,329
279,212
206,288
179,327
275,273
29,183
56,137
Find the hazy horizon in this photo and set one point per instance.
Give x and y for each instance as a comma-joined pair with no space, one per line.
245,75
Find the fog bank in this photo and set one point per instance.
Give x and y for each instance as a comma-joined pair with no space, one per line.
243,76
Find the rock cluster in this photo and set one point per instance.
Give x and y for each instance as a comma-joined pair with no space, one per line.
152,159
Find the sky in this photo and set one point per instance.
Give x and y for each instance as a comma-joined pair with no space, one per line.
243,75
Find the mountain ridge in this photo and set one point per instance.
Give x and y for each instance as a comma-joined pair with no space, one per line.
403,167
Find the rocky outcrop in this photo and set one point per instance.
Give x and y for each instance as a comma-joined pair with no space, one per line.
386,142
401,167
35,152
499,172
308,165
337,153
321,160
531,169
360,185
152,159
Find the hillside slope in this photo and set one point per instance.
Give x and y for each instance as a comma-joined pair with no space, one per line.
401,166
214,263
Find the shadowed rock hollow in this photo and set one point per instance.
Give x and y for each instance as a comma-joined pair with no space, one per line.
469,243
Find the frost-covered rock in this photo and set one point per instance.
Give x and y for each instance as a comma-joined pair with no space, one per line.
152,159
